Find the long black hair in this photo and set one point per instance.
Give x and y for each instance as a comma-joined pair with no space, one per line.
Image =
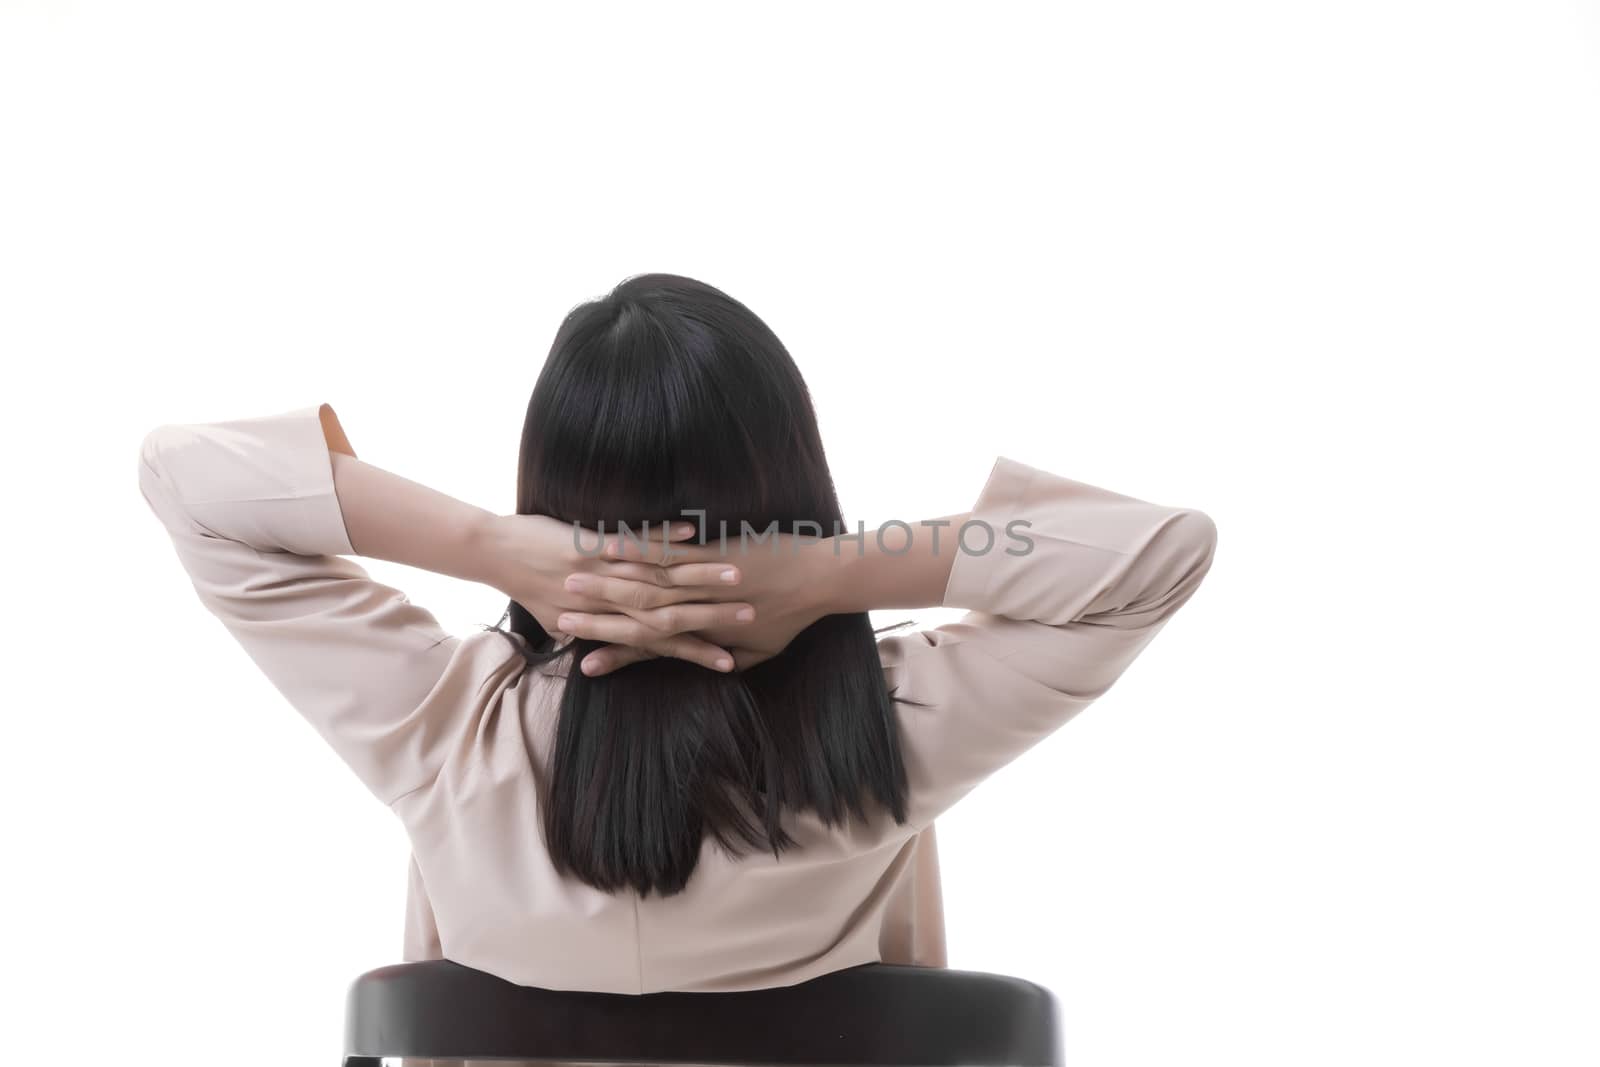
663,396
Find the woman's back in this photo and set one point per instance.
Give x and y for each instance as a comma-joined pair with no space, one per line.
483,893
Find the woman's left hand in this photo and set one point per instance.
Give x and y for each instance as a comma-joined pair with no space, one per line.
788,586
533,556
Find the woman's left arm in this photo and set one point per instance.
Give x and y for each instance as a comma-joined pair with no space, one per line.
260,510
252,511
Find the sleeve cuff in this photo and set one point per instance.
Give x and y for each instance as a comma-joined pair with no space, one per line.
973,574
325,518
264,481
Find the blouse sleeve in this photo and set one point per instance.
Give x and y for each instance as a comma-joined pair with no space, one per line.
251,510
1058,609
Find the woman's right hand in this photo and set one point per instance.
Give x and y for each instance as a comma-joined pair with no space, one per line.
784,580
530,556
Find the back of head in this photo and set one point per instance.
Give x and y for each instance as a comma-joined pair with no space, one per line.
662,398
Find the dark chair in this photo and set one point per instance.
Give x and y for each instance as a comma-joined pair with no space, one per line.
874,1014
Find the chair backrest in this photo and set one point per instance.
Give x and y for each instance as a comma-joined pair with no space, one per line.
875,1014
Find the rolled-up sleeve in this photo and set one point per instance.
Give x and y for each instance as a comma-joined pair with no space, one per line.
1064,589
251,510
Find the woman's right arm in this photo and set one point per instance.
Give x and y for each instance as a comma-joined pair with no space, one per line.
1075,583
1064,584
1048,629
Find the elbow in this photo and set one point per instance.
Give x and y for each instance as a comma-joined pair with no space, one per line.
1194,539
1194,547
1175,563
150,453
1200,536
156,452
1157,576
160,461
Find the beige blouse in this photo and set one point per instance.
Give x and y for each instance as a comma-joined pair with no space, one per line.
453,733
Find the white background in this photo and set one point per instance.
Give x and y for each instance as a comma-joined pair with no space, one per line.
1327,271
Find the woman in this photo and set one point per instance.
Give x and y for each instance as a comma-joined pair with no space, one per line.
737,788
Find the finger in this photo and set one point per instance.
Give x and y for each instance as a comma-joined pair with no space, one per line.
677,618
614,629
696,650
653,530
622,592
647,627
712,576
690,649
651,533
670,530
611,658
641,585
653,550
